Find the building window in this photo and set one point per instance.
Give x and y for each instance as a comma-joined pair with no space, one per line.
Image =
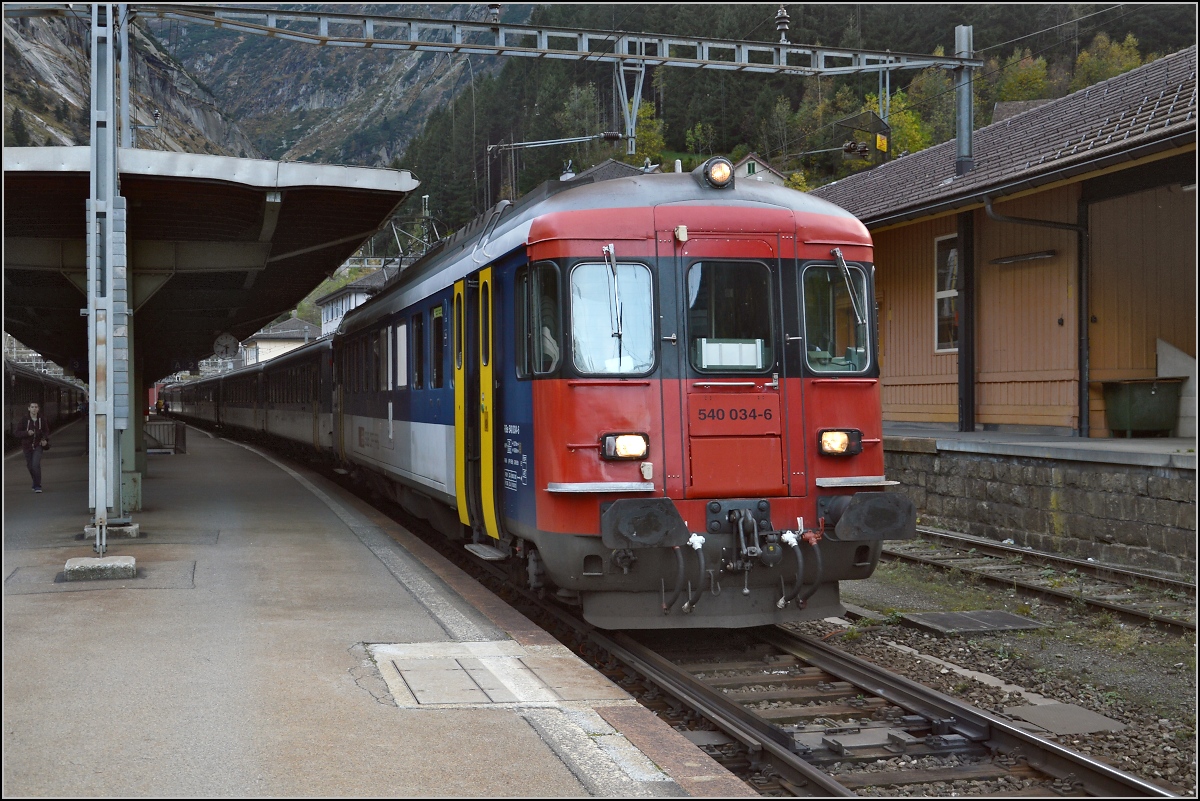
945,295
751,167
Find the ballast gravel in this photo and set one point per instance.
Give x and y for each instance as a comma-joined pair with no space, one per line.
1122,672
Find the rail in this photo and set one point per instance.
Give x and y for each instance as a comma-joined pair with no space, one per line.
1133,596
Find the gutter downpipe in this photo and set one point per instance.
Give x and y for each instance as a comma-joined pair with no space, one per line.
1083,313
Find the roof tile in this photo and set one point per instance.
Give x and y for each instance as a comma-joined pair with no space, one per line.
1157,100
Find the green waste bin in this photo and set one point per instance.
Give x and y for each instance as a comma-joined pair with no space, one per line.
1146,406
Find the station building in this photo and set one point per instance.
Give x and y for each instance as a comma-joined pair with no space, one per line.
1063,260
1029,306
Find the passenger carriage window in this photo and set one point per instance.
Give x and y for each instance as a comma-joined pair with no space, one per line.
835,319
402,355
376,380
730,317
418,352
387,354
364,364
612,319
437,341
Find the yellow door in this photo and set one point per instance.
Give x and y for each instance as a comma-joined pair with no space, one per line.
460,404
487,395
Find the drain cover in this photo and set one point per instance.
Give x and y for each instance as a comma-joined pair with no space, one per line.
1065,718
969,622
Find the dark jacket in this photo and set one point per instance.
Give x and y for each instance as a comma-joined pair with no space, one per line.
30,433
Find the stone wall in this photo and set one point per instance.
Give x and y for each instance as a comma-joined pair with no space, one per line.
1139,517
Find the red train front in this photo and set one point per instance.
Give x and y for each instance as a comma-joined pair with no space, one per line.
685,401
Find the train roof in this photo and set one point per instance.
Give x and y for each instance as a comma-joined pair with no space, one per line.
282,360
13,367
506,226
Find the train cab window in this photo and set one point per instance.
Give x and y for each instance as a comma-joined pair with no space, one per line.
402,355
730,317
437,342
539,334
418,351
835,319
612,319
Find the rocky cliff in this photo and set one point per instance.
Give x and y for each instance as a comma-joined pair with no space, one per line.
231,93
328,104
47,92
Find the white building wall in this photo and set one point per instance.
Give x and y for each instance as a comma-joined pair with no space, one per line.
332,312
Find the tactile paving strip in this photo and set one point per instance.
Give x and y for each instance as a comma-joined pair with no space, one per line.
486,673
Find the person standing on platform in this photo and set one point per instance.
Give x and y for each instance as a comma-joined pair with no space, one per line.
34,436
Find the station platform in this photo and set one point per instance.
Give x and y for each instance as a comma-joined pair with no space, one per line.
1173,452
283,638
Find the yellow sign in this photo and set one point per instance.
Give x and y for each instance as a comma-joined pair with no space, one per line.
881,142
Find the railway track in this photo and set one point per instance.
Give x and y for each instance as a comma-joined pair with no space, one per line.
795,717
811,708
1131,596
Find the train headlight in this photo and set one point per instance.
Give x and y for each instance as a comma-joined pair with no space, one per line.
840,441
624,446
718,172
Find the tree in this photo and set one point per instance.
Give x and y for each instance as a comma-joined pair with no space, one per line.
909,131
1023,77
580,116
651,136
776,129
1105,59
20,134
700,138
798,181
931,94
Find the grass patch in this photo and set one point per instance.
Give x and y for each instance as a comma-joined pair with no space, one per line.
947,591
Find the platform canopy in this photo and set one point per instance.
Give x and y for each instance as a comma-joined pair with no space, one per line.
215,245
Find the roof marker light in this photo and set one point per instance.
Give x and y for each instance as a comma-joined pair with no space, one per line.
718,172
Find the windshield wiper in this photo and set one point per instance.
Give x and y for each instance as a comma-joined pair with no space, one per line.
854,299
610,259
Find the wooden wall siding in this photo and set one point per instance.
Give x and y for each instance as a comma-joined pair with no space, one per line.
1027,361
918,384
1143,285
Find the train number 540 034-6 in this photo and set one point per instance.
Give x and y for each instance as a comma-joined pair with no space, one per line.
734,413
